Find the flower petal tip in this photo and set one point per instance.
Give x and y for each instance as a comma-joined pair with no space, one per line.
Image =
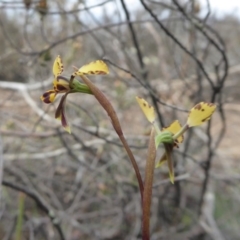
159,164
68,129
171,176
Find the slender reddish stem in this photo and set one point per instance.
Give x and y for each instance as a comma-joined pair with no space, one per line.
147,193
102,99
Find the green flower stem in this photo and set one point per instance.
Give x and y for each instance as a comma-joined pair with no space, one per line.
181,132
21,201
148,183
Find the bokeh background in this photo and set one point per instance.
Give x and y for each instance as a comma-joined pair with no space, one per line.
82,186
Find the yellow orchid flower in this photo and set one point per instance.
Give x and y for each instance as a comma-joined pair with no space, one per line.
63,85
172,135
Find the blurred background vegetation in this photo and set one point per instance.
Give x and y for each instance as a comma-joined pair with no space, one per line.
82,186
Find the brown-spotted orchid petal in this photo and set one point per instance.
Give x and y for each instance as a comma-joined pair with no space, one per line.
49,96
200,113
147,109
